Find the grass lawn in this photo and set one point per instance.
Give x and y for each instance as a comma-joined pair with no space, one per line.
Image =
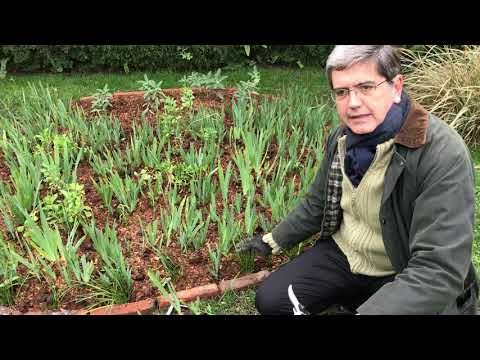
78,85
74,86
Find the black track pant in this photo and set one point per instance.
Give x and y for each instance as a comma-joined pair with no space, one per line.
320,277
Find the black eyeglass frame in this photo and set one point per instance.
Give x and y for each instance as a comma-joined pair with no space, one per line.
349,90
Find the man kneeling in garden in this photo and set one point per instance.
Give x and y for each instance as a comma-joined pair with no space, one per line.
393,203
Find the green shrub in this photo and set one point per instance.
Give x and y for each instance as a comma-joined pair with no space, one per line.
61,58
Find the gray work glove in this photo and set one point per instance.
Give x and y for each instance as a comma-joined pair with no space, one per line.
256,244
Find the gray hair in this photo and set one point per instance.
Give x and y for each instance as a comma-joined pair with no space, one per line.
342,57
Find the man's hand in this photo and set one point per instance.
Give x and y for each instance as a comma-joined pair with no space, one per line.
256,244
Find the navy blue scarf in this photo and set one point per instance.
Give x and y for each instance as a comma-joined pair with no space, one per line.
360,149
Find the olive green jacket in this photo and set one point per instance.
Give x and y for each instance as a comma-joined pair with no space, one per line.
426,214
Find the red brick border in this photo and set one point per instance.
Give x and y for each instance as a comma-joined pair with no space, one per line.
243,282
203,292
139,307
148,306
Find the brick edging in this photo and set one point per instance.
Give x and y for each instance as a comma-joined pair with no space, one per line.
203,292
148,306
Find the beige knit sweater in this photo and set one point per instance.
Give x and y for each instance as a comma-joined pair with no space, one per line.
360,235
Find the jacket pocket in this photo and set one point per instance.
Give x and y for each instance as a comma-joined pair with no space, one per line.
467,303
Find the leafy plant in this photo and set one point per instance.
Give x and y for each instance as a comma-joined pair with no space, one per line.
167,124
59,164
102,100
93,134
153,152
255,151
114,286
46,241
173,270
153,94
154,183
199,240
149,234
71,264
184,54
190,232
126,190
52,208
203,188
278,198
237,203
133,152
74,203
243,119
209,80
67,208
105,191
246,261
208,134
169,294
245,89
213,209
26,180
224,181
187,98
171,219
215,256
228,232
264,224
208,126
197,307
170,105
9,277
245,169
250,217
184,173
80,267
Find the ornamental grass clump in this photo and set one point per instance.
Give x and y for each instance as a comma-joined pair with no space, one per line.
9,278
446,81
114,285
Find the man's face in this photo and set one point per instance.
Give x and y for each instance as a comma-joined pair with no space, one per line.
363,113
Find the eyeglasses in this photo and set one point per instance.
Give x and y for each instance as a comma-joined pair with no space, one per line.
365,89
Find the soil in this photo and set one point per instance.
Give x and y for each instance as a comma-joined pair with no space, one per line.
36,296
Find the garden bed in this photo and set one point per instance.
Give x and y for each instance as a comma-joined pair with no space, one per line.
187,266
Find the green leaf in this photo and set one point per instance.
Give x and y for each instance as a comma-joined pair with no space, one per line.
247,49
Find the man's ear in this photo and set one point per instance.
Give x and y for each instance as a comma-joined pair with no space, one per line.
398,87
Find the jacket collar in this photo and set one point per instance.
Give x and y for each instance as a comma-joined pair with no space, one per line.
413,133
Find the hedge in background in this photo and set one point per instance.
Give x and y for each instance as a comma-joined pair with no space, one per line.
60,58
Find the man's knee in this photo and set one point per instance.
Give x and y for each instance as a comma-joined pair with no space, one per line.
266,301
